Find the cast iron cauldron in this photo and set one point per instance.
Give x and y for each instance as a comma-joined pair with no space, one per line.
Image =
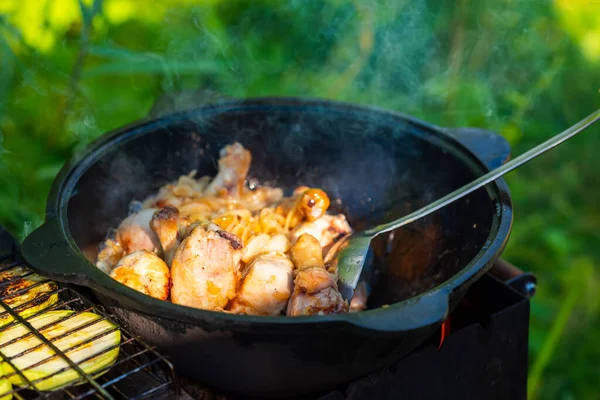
377,165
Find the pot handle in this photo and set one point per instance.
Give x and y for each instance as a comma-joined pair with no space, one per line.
53,257
523,282
426,312
491,148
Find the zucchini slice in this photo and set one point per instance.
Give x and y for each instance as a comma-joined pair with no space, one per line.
5,385
34,288
77,329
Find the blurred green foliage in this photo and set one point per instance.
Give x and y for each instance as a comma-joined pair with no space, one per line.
71,71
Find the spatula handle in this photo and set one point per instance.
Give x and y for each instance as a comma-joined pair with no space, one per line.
490,176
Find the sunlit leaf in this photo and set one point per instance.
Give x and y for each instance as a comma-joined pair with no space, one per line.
130,62
48,172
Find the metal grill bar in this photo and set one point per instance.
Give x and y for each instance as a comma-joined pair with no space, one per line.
23,291
29,350
11,265
130,357
135,361
116,389
129,364
45,360
55,349
28,334
26,275
28,303
133,371
22,376
151,391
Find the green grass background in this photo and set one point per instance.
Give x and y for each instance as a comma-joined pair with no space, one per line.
70,71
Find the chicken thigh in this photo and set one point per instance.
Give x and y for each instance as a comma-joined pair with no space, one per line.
132,235
169,227
205,269
266,286
326,229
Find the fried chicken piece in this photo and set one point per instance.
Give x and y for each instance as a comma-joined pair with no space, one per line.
307,253
133,234
266,286
327,301
313,280
234,164
145,272
169,227
204,271
109,254
326,229
315,290
200,198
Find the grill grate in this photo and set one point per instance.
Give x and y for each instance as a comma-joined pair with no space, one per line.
38,317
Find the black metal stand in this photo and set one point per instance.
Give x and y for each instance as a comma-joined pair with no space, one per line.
484,357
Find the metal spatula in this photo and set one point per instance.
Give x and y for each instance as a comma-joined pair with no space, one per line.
351,258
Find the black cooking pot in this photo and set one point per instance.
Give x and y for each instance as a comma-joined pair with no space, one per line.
376,165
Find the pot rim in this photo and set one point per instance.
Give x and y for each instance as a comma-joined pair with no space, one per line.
77,165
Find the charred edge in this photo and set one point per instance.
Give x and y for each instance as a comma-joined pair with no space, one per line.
16,285
21,284
234,241
167,213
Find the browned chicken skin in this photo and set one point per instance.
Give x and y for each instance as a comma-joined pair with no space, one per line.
204,271
145,272
326,229
109,255
315,290
307,253
266,286
234,165
167,224
133,234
